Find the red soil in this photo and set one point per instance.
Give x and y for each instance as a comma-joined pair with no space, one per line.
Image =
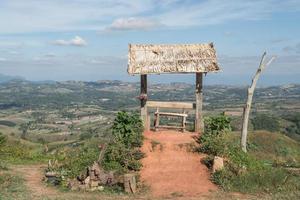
169,169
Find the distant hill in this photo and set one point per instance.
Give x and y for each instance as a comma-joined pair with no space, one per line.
6,78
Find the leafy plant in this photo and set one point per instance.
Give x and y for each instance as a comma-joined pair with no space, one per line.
123,154
127,129
72,161
212,140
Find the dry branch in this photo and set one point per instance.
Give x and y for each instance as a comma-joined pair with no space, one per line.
247,108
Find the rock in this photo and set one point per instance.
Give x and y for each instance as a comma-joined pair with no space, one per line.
73,185
218,164
94,183
93,189
87,180
82,187
100,188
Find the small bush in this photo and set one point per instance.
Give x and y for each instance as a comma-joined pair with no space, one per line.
127,129
212,140
72,161
3,139
123,154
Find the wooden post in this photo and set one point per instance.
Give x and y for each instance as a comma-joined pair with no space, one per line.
247,108
199,126
130,183
143,98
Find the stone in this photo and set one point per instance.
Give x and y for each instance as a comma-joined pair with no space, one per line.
87,180
82,187
73,185
218,164
94,183
100,188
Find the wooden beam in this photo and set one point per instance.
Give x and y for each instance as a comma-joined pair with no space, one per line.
199,125
143,98
165,104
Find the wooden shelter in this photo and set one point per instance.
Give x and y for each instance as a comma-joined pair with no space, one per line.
174,58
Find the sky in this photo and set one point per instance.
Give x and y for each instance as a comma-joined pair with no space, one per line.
88,39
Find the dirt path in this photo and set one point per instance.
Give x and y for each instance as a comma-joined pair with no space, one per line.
170,170
33,176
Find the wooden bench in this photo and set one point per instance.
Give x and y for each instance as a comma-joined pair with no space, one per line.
157,115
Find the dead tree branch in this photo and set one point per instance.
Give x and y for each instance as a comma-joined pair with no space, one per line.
247,108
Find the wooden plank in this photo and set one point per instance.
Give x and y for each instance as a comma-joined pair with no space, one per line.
171,114
166,104
199,126
144,100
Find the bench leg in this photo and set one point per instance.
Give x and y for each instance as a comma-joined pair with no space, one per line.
156,122
183,124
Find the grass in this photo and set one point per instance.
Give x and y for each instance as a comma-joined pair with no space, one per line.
22,152
12,187
272,148
263,169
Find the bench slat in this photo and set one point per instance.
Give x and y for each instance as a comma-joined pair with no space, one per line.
171,114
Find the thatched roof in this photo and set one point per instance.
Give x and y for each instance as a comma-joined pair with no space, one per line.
182,58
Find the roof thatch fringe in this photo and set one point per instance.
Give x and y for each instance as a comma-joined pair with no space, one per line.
182,58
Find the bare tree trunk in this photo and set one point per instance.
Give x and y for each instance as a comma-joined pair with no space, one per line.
247,108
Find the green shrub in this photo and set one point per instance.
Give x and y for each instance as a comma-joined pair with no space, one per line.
212,140
265,122
123,154
127,129
2,139
72,161
85,136
293,128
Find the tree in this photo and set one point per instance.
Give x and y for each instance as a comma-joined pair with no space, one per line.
266,122
247,108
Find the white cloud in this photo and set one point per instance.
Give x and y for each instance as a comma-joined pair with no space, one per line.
3,59
76,41
133,23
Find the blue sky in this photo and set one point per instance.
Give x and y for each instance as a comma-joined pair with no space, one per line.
88,39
